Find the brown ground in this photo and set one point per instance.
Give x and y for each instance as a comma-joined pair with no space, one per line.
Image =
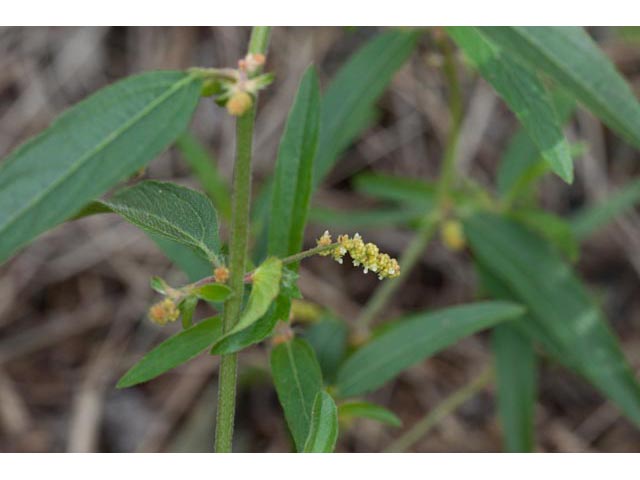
72,304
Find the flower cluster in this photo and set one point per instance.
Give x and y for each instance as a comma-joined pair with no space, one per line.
235,88
164,311
221,274
366,254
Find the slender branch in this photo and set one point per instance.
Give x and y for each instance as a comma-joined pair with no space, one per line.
285,261
237,257
430,222
442,410
448,171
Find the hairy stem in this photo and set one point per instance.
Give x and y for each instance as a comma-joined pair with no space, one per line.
442,410
241,200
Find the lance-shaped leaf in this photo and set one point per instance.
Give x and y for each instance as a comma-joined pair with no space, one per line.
171,211
173,352
324,425
266,285
516,373
294,168
414,338
521,162
571,58
88,149
349,410
298,379
348,104
260,328
565,319
523,92
255,333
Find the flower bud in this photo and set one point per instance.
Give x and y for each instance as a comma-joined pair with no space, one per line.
221,274
452,235
239,104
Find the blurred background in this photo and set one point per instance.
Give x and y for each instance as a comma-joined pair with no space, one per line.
73,303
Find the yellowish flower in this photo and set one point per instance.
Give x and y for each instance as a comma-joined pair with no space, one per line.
221,274
366,254
164,311
239,103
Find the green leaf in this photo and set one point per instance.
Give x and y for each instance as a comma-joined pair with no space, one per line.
294,168
414,338
255,333
213,292
203,166
328,337
525,324
159,285
192,264
593,217
348,104
565,319
266,285
173,352
571,58
521,162
298,379
516,373
187,308
553,228
171,211
523,92
88,149
324,425
368,410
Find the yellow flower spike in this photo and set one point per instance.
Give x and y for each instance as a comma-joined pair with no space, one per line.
163,312
366,254
452,235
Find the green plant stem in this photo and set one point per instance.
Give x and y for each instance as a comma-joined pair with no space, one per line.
442,410
241,201
307,253
259,41
448,172
430,222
